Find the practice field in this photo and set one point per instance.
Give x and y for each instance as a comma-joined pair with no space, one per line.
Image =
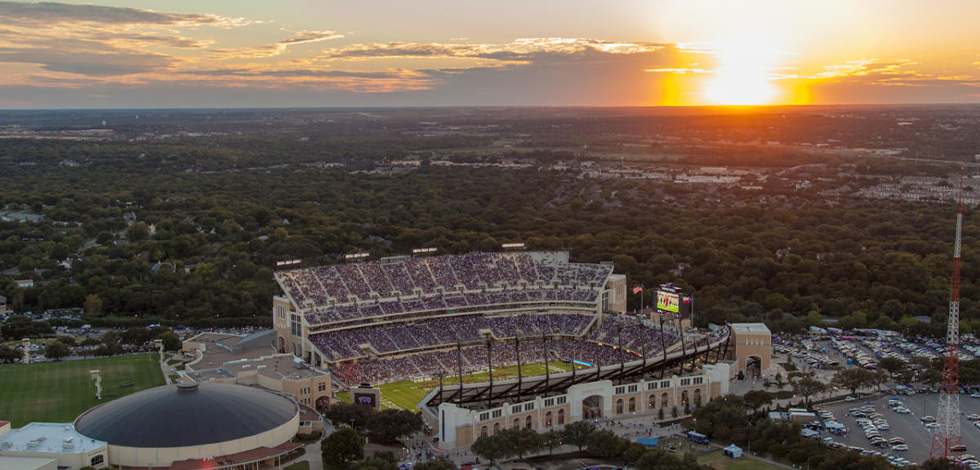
59,391
406,394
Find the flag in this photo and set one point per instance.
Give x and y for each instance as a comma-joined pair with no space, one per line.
638,289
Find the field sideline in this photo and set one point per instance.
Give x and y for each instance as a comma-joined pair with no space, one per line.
59,391
406,394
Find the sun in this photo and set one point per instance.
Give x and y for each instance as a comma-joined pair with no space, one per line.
744,74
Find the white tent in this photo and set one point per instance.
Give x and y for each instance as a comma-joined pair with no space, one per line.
733,451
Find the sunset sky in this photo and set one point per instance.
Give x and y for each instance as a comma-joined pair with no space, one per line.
245,53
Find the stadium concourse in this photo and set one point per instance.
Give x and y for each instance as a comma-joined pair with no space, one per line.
402,317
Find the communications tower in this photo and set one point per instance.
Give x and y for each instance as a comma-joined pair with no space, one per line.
947,435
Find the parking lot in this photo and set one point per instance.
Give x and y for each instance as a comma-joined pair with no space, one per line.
907,426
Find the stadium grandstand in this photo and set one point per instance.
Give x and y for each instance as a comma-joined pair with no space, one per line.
383,320
447,316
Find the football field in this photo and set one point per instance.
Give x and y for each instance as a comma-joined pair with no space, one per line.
59,391
406,394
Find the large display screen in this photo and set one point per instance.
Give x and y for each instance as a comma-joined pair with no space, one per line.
668,301
364,399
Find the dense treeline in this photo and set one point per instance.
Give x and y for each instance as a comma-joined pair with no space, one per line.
206,242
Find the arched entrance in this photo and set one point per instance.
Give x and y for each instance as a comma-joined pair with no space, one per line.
496,428
753,366
619,406
517,423
282,345
697,397
528,423
652,401
685,399
483,431
632,404
561,416
663,400
592,407
547,420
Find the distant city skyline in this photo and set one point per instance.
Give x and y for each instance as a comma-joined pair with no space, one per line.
244,53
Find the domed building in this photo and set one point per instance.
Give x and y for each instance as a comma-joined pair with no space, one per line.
193,422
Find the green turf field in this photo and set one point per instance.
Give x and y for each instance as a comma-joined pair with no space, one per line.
406,394
59,391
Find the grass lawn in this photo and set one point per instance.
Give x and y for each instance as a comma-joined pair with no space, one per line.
59,391
304,465
406,394
721,462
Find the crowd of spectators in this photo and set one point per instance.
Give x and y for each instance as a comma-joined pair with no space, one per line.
338,285
389,339
566,340
438,303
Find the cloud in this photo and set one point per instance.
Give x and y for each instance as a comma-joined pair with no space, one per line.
48,13
89,62
101,41
890,81
521,50
277,48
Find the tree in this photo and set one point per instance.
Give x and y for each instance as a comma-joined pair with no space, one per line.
137,232
342,446
634,452
135,336
55,350
438,463
756,399
171,342
553,439
939,464
808,387
92,305
577,433
111,336
343,414
378,461
9,355
520,441
852,379
389,425
67,340
491,448
879,378
606,443
892,364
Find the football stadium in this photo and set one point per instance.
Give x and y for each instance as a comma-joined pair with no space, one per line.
442,320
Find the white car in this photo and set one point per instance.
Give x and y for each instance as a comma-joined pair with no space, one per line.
902,410
850,398
932,425
975,395
900,447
